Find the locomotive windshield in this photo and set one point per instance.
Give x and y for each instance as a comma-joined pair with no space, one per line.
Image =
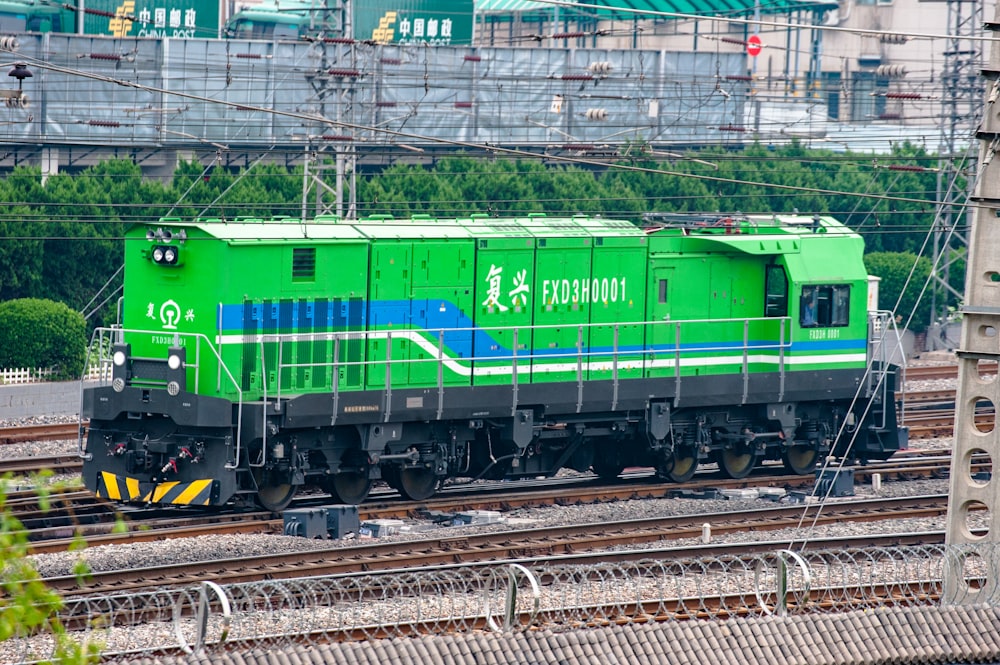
826,306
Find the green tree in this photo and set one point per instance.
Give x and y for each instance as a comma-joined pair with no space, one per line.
902,286
561,189
493,187
62,236
261,191
404,189
65,244
22,254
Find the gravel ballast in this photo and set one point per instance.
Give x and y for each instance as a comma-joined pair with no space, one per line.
115,557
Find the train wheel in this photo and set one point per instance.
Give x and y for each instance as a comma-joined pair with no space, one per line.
683,463
418,484
349,487
273,497
737,463
352,483
800,460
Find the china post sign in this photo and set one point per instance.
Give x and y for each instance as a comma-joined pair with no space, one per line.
177,19
443,22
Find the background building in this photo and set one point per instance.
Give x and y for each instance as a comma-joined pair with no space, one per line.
373,82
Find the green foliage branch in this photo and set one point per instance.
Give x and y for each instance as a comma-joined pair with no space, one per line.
27,606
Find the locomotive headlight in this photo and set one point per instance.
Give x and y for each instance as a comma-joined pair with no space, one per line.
120,369
176,375
165,255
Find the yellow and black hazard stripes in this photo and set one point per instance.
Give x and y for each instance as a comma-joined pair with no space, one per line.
110,486
194,493
119,488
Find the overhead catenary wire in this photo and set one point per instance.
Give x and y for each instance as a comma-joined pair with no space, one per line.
486,148
432,74
98,294
493,151
906,324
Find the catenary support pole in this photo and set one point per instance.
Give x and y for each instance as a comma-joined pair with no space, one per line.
971,572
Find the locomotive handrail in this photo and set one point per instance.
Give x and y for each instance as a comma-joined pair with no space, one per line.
881,324
263,411
780,345
117,334
583,358
746,362
677,363
781,359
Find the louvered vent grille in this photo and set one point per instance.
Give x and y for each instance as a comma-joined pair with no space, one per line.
304,264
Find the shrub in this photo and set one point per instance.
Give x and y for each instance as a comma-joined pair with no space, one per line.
43,334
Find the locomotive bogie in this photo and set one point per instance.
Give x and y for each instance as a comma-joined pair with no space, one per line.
256,359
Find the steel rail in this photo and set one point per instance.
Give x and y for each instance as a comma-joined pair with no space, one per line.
537,543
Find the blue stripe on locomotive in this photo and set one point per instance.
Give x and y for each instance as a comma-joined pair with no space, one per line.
460,344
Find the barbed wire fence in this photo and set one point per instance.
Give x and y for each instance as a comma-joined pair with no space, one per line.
507,597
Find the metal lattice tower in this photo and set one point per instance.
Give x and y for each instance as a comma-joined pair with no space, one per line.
973,555
960,106
330,148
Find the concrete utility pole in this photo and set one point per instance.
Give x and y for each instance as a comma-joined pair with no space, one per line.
970,554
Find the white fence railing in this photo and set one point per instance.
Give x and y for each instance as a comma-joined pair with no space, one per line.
23,375
20,375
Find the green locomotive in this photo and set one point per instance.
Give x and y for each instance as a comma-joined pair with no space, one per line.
256,357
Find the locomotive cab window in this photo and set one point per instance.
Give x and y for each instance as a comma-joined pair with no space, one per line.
825,306
775,292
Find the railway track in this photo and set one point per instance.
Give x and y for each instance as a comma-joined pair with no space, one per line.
568,544
47,432
947,371
652,593
634,540
101,523
25,466
74,514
